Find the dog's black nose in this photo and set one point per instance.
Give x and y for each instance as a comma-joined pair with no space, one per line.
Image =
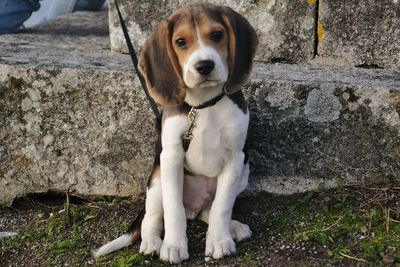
205,67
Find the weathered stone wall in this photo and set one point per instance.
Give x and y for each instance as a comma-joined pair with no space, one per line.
71,112
285,27
329,32
325,126
360,33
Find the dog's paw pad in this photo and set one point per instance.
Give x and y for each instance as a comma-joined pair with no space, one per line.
150,246
239,231
221,248
173,254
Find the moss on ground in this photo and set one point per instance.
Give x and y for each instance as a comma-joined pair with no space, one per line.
364,230
346,226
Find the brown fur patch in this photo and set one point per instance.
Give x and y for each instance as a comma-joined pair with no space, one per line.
243,42
185,29
207,25
155,174
160,68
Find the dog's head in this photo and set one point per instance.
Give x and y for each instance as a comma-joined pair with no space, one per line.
198,47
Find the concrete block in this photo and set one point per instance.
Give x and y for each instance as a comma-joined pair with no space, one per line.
360,33
317,126
71,112
285,27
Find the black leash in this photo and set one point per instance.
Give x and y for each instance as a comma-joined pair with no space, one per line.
152,103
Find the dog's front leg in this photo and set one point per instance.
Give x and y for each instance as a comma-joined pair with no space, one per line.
219,240
174,247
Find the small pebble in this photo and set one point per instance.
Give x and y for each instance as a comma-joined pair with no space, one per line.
6,234
364,230
387,260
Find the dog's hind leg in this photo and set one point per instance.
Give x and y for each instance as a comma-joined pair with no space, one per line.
239,231
152,222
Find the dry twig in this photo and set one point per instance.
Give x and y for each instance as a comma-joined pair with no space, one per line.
327,228
67,204
351,257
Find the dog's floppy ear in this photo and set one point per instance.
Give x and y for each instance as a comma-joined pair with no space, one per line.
242,47
160,68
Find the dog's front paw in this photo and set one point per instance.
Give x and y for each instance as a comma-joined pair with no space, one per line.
150,245
174,253
219,247
239,231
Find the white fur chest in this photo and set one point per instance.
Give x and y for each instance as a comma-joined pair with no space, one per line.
220,131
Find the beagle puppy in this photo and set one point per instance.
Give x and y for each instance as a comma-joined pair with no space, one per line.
195,65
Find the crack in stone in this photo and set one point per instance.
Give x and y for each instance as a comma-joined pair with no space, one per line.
316,20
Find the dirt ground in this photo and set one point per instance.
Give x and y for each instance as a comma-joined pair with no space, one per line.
355,226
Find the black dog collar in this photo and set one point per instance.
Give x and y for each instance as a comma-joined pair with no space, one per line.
210,102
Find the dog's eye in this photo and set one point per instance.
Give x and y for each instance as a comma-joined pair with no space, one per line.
181,43
216,36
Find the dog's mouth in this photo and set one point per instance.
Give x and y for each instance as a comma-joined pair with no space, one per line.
208,82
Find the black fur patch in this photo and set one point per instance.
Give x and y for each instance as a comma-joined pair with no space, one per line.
238,99
246,151
136,224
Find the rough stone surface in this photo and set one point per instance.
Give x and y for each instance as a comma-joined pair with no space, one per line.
285,27
313,125
71,112
365,33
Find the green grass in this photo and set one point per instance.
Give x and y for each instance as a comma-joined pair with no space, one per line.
130,260
343,228
54,230
362,234
127,257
